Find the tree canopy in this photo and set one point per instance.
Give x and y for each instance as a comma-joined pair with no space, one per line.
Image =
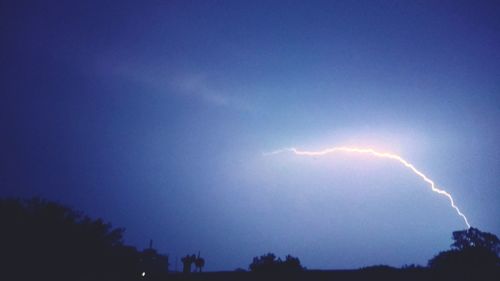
472,252
474,238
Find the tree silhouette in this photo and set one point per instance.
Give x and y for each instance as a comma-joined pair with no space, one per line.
264,263
292,264
474,253
199,262
187,261
43,240
474,238
269,263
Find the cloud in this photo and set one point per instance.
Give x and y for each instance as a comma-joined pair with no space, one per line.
193,85
198,86
209,89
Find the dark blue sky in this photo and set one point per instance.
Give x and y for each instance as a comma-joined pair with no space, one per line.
155,116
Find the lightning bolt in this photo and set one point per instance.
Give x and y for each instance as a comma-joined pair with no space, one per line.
380,155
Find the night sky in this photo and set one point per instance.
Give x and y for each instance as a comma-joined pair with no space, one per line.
155,116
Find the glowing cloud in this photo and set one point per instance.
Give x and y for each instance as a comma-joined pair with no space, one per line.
381,155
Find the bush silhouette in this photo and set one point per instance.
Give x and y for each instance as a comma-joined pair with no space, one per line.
269,263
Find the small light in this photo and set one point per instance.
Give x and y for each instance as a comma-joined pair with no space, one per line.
143,274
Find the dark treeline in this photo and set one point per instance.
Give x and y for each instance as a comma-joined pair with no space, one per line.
43,240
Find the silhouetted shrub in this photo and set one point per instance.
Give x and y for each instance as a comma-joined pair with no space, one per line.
378,268
239,269
412,266
269,263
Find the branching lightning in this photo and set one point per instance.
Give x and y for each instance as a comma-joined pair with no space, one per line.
381,155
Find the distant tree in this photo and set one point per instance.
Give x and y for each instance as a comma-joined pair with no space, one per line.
473,252
269,263
187,261
291,264
412,266
264,263
377,269
199,262
239,269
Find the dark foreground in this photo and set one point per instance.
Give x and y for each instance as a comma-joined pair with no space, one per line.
341,275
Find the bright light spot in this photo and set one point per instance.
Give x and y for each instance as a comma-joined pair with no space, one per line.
143,274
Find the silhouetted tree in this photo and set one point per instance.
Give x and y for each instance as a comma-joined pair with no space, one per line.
474,238
43,240
269,263
474,253
199,262
187,261
264,263
291,264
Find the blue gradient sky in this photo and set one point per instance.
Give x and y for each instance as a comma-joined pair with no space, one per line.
155,116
